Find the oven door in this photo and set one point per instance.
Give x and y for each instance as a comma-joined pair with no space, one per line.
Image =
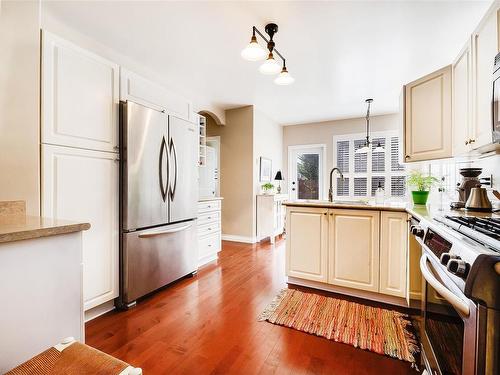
449,324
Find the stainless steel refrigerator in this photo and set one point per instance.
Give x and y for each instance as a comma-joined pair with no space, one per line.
159,195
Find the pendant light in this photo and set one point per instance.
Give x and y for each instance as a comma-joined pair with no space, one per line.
284,78
366,147
254,51
270,66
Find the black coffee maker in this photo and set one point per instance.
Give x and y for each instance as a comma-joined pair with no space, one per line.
470,180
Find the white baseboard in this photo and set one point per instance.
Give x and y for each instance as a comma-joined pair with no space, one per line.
99,310
244,239
373,296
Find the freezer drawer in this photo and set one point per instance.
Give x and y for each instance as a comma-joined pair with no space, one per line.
155,257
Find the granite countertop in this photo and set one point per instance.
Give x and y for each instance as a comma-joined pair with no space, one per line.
357,205
420,212
15,225
206,199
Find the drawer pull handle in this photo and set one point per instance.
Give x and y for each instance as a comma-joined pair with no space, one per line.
209,245
209,217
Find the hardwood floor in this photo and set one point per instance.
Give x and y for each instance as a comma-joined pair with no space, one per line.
208,325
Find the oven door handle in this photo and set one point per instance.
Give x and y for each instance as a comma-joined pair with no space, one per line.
449,296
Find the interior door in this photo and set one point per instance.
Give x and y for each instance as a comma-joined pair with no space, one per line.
145,166
306,172
183,162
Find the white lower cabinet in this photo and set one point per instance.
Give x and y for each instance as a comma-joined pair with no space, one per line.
307,243
393,253
209,230
358,249
354,249
82,185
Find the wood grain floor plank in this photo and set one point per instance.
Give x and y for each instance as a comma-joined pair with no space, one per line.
208,325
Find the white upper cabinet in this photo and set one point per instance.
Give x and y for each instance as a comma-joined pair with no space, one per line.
393,253
140,90
462,101
307,243
427,117
79,97
484,50
354,249
82,185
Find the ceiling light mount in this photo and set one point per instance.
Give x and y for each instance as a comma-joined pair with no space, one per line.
254,52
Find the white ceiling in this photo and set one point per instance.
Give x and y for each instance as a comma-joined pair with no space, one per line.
339,52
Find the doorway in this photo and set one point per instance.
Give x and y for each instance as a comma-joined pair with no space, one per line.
306,171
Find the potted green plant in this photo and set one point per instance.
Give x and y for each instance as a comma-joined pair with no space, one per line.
267,187
423,184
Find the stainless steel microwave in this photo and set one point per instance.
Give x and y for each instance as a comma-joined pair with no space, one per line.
496,101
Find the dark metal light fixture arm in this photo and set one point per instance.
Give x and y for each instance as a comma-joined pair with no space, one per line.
255,30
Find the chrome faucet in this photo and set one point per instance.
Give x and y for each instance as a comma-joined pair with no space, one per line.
330,191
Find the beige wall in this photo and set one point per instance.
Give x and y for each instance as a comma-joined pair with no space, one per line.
247,135
268,142
236,172
323,132
19,103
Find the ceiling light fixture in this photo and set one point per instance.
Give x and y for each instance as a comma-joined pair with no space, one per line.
284,78
254,52
366,147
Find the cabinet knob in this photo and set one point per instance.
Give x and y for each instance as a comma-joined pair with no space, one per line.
472,140
466,143
324,213
407,157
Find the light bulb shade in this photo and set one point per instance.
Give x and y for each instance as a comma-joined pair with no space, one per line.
379,148
270,66
254,51
362,150
284,78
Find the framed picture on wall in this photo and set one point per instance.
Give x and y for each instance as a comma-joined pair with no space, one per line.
266,169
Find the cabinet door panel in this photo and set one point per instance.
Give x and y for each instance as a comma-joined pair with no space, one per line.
393,254
82,185
462,101
307,242
428,117
485,48
354,249
79,97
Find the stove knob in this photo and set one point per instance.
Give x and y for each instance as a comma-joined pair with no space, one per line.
446,257
458,267
416,230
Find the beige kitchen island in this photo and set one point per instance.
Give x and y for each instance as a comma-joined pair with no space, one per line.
353,248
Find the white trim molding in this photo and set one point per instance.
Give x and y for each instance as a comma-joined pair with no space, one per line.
235,238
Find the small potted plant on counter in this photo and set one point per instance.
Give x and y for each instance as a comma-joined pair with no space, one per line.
423,184
267,188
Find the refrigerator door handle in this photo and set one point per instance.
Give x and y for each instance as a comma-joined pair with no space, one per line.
173,152
163,190
166,231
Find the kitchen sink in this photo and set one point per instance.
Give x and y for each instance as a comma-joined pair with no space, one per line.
360,202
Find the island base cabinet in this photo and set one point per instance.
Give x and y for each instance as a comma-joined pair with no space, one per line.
307,243
354,249
365,250
393,253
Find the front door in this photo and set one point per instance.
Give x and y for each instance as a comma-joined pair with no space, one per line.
306,172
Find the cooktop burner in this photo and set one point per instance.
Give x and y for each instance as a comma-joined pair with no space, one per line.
486,225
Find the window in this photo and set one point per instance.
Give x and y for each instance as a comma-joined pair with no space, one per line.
364,172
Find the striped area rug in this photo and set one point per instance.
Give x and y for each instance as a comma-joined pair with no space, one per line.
375,329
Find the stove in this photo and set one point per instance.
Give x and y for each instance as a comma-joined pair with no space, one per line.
460,265
485,230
